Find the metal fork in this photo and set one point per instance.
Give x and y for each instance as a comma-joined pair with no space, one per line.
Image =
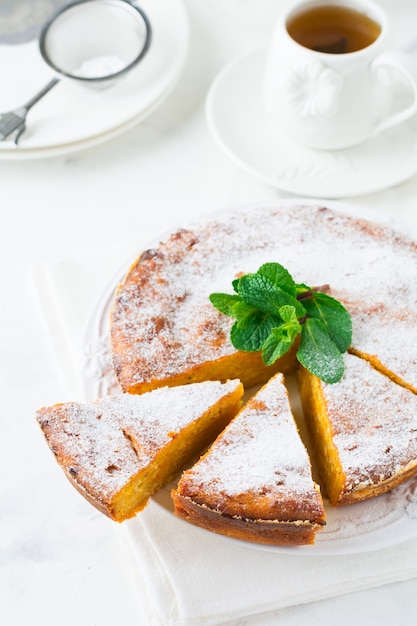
15,121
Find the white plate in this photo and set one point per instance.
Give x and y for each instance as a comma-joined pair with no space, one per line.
374,524
73,116
237,120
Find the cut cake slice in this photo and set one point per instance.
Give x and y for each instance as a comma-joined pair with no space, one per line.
364,429
119,450
255,482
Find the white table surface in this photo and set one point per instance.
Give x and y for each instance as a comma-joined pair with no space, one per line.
60,564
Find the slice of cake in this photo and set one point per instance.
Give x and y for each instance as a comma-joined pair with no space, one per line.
119,450
255,482
364,429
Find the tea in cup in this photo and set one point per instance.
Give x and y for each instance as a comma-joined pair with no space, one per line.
331,76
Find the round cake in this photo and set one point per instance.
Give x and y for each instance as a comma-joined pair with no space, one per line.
165,331
255,482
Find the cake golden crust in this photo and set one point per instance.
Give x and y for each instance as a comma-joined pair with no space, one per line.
119,450
264,531
364,430
255,481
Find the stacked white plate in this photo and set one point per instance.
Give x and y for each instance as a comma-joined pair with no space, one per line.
72,116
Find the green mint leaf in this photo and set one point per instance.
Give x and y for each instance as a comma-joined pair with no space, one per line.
246,314
279,276
281,337
271,311
250,336
260,292
289,315
333,315
224,302
318,353
301,288
275,346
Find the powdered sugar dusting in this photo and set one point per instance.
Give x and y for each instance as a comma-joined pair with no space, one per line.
390,334
259,452
374,423
163,322
105,443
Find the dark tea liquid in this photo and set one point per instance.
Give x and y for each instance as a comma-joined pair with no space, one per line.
333,29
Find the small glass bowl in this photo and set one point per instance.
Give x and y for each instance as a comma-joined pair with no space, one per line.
95,40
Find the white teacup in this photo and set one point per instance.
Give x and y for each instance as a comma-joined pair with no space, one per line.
330,97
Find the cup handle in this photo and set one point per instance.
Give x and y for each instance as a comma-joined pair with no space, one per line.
407,67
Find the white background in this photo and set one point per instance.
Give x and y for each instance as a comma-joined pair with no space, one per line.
60,563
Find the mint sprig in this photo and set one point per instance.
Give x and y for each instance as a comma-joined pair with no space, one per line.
271,311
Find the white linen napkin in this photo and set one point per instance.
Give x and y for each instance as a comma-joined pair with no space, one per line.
186,576
196,578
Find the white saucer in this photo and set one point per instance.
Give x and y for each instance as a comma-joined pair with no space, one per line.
72,117
236,118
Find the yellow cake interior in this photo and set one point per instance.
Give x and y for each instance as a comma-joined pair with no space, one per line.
173,457
332,477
